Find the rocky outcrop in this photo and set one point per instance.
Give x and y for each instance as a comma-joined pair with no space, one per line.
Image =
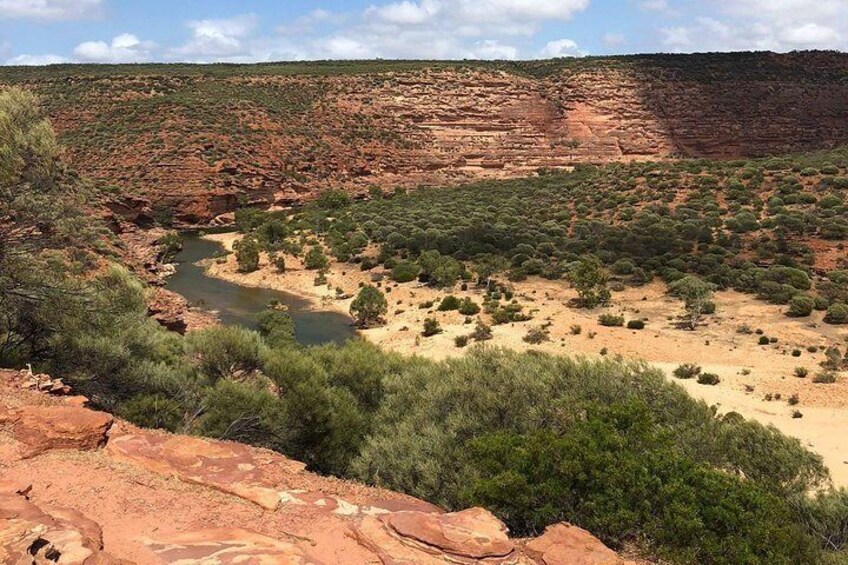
152,498
266,138
40,429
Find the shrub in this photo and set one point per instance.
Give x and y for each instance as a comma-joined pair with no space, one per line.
801,305
315,259
611,320
536,336
468,307
825,378
431,327
801,372
764,340
837,314
247,254
153,411
461,340
279,262
687,371
576,329
369,306
449,304
405,271
636,325
482,332
708,379
276,326
225,351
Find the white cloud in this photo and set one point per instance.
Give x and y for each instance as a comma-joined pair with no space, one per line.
654,5
613,39
561,48
37,60
776,25
494,49
49,9
125,48
212,39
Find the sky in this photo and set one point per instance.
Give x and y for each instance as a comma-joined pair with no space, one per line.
36,32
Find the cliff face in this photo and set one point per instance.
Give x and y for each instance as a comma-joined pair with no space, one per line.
79,487
195,141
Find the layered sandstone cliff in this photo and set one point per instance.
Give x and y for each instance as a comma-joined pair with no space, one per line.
79,487
194,142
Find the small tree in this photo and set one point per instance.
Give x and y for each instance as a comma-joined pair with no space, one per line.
279,262
431,327
590,280
697,296
801,306
369,306
315,260
247,254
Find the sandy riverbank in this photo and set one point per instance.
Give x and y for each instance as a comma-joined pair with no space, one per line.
749,372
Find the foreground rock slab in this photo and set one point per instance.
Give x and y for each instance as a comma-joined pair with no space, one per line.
229,467
562,544
45,428
32,535
227,547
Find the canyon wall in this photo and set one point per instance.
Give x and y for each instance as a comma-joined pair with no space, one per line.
191,142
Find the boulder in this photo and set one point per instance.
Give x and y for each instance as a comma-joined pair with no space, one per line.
31,535
45,428
470,536
563,544
226,547
228,467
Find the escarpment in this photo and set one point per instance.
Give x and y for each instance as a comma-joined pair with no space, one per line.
189,143
80,487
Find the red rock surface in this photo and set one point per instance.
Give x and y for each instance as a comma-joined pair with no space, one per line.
44,428
197,143
154,498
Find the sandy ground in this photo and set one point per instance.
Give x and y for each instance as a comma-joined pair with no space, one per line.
749,372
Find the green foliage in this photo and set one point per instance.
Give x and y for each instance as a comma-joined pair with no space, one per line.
333,200
247,254
590,280
276,327
611,320
225,352
431,327
468,307
245,413
369,306
801,306
153,411
539,478
449,303
696,295
405,271
248,219
837,314
708,379
687,371
315,259
169,245
636,325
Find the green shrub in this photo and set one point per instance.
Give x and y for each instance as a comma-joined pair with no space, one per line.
247,254
405,271
825,378
687,371
801,305
431,327
536,336
636,325
837,314
611,320
461,340
153,411
449,303
801,372
315,259
708,379
369,306
468,307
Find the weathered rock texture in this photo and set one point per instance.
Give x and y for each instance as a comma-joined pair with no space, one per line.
152,498
189,143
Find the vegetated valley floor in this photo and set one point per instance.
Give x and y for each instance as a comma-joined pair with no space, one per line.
761,215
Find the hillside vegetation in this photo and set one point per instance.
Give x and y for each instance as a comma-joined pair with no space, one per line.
186,143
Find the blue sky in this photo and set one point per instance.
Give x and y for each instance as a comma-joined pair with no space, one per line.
113,31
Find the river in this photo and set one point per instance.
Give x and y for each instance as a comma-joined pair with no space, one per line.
238,305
